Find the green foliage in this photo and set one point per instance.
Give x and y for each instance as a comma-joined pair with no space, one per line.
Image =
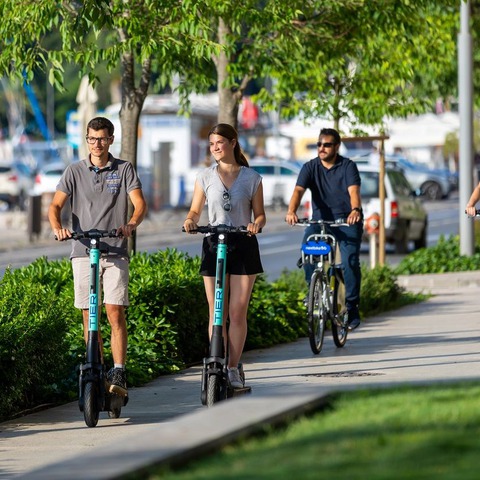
35,360
168,313
276,313
405,433
442,257
379,290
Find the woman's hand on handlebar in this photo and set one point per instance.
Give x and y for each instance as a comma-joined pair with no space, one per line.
62,234
253,228
291,218
189,225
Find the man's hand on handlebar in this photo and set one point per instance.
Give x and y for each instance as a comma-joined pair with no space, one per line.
126,230
291,218
62,234
471,211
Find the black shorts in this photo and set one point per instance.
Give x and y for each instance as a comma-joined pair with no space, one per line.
243,255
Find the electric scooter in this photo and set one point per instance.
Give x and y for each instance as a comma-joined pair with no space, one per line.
215,386
94,395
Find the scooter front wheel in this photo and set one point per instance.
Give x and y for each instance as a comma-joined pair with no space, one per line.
90,407
213,390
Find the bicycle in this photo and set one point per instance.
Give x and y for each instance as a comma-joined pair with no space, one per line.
215,386
326,296
94,394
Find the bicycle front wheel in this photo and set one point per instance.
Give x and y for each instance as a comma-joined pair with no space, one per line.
90,408
213,390
339,323
316,313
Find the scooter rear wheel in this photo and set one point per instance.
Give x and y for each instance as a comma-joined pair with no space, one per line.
90,408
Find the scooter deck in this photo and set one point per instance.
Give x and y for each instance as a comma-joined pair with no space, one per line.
236,392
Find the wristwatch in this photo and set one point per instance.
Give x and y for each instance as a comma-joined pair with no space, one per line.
356,209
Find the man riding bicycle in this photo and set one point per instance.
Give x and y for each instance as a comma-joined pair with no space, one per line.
335,185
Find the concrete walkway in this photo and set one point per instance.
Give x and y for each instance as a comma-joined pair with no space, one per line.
435,341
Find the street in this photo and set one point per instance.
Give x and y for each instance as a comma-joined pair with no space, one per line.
279,243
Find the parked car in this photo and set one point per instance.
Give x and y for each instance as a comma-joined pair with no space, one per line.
433,184
47,178
279,178
16,180
405,217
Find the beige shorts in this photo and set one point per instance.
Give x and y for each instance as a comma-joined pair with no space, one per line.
114,273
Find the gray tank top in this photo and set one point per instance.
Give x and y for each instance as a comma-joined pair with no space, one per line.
241,194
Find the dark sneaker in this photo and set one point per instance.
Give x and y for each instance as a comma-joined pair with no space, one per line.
117,378
353,318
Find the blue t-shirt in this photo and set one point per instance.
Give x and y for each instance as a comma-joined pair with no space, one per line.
329,187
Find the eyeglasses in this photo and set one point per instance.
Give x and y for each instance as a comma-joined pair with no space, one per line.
227,206
93,140
325,144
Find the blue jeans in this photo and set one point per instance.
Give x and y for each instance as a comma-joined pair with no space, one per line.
349,240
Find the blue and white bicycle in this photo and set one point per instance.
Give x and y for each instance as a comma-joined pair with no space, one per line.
326,296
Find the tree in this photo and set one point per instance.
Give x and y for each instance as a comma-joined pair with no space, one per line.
337,58
366,60
144,37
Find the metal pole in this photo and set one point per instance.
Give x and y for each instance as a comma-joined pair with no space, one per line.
381,196
465,100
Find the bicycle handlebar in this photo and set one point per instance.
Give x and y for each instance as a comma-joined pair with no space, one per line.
94,233
306,222
219,229
477,213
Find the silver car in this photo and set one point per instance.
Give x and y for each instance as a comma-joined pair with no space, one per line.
405,216
279,178
16,181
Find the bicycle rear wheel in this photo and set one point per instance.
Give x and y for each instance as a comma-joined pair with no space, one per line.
316,313
339,322
90,408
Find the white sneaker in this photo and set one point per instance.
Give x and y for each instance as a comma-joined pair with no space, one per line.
234,378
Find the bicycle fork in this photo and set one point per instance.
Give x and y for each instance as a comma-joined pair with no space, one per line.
335,278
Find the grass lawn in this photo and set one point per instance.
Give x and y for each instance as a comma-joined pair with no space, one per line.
406,433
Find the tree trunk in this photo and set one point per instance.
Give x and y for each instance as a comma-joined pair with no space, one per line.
229,100
132,103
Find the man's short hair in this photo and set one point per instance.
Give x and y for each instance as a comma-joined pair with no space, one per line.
101,123
332,133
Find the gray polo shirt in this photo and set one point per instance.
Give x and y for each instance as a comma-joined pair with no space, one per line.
99,199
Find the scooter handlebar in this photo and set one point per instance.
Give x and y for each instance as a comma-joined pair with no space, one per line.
219,229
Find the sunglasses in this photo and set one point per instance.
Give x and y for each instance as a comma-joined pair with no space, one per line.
325,144
227,206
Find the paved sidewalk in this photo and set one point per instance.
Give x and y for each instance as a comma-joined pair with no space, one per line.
435,341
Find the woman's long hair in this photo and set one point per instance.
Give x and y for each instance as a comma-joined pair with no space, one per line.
227,131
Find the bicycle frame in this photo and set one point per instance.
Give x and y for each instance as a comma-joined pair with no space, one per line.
326,286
